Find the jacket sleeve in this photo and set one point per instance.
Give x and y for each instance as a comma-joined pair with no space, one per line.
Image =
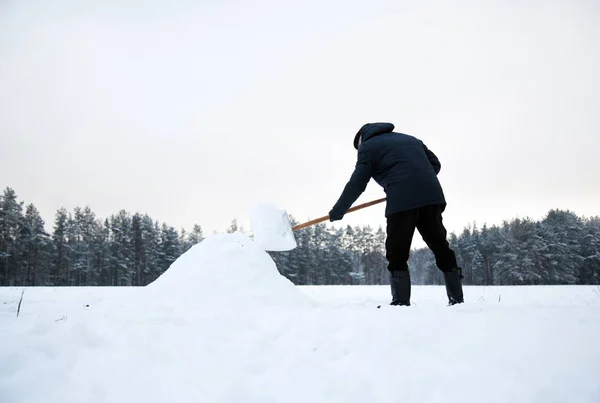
356,185
433,159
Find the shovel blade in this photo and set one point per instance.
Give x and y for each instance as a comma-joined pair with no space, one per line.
272,228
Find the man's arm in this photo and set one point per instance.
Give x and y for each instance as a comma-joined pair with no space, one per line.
433,159
355,187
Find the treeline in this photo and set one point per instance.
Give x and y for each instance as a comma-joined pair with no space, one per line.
560,249
83,250
133,250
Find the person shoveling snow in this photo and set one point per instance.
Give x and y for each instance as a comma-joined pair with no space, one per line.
407,170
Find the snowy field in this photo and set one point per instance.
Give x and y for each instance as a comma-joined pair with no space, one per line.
221,325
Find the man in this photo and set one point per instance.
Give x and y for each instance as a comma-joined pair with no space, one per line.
407,170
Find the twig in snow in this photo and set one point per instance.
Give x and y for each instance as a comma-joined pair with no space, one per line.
499,295
21,300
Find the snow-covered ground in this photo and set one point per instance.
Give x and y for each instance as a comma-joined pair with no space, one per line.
221,325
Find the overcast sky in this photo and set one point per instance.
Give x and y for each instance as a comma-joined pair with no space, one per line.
194,111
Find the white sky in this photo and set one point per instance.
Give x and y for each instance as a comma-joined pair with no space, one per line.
193,112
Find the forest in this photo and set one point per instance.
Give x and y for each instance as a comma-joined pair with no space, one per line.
132,249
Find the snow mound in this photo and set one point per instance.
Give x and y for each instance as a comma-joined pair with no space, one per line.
227,269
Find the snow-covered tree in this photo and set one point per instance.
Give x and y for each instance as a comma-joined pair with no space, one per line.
11,222
170,249
36,242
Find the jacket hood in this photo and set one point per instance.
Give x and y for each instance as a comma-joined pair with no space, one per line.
371,130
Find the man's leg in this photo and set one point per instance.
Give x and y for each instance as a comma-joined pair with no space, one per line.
431,228
400,230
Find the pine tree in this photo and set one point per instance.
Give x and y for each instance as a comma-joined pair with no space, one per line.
36,247
196,236
300,258
138,249
87,228
312,256
341,258
466,246
322,261
76,250
564,246
170,249
187,240
151,269
11,222
102,253
357,239
477,267
379,258
183,241
489,241
60,261
589,271
517,262
122,253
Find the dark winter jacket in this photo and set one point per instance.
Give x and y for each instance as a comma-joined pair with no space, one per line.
405,168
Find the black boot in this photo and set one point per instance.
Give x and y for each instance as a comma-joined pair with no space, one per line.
400,284
454,286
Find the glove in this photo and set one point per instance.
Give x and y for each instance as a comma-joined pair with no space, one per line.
335,215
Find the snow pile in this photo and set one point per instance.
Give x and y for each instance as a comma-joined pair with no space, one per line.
228,270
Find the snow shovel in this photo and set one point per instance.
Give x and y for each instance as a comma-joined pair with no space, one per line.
273,230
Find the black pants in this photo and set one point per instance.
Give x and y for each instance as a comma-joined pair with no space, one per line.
400,229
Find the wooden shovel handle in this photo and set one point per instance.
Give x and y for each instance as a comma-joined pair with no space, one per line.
325,218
